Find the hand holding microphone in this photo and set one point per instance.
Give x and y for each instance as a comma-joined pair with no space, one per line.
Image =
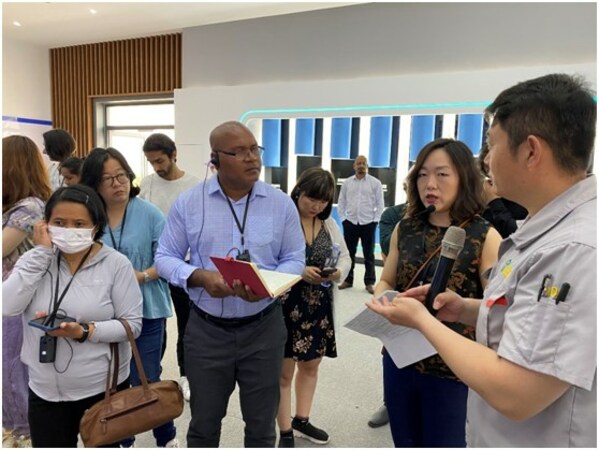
451,246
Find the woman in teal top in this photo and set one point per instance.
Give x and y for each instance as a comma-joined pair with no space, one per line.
134,228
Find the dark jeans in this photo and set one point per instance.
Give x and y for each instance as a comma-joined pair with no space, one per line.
149,344
218,357
56,424
424,410
365,233
181,304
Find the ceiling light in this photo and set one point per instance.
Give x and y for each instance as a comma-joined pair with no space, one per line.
16,24
93,11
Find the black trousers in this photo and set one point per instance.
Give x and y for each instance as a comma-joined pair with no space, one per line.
181,304
217,358
365,233
56,424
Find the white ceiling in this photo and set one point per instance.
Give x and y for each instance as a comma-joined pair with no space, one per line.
51,24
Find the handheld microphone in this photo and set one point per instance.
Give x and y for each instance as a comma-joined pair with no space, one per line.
451,246
429,209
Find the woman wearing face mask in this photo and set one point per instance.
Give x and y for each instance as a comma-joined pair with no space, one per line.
25,189
426,401
134,227
70,273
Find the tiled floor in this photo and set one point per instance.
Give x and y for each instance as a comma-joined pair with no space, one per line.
349,386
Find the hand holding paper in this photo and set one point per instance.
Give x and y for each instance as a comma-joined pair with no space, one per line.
405,345
403,311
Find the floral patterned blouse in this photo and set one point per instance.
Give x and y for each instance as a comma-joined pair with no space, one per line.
21,216
417,240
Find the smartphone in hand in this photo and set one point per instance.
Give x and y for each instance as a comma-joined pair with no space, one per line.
327,271
53,324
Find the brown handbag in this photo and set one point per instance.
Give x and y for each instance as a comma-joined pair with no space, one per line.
132,411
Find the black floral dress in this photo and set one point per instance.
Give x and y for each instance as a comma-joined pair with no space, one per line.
417,240
308,310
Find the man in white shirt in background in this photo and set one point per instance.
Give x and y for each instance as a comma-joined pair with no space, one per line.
360,207
162,188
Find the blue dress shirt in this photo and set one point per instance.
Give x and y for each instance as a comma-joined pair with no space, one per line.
200,220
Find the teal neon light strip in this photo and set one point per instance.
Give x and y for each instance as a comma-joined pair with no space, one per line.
282,112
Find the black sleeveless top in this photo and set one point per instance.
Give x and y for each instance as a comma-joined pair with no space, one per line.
416,241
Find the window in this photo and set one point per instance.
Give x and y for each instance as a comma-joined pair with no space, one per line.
126,123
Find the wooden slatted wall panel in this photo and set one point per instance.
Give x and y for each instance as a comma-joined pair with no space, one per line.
142,66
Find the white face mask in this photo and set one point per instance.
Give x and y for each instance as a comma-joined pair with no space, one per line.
71,240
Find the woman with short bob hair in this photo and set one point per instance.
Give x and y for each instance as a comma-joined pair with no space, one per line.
308,308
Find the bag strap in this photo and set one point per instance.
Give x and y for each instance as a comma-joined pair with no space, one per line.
424,264
437,250
140,368
114,358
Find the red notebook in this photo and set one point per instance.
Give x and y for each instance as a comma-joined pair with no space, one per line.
266,283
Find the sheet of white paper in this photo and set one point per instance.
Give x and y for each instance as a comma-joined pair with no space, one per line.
405,345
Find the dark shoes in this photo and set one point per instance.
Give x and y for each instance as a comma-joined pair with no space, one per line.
286,439
370,288
379,418
344,285
306,430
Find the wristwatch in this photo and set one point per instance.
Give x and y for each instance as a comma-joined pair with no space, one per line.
85,334
147,278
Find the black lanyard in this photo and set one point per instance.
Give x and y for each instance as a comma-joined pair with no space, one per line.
240,227
118,249
57,301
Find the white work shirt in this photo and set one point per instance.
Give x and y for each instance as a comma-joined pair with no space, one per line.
361,201
536,333
163,193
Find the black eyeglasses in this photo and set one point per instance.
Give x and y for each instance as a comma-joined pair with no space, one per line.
243,153
122,178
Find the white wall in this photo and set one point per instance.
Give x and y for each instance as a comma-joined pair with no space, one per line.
387,39
25,89
25,80
373,54
198,110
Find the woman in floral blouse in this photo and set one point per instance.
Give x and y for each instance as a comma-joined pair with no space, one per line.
25,189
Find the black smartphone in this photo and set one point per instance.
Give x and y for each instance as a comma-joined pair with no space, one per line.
327,271
52,325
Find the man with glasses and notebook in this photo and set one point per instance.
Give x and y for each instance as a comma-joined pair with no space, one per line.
232,336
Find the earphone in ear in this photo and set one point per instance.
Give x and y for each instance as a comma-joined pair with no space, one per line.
214,160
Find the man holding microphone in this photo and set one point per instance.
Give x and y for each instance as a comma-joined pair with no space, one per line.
532,372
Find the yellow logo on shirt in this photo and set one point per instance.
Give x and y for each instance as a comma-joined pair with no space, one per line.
552,292
506,269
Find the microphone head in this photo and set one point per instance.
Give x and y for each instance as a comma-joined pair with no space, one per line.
453,242
425,212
